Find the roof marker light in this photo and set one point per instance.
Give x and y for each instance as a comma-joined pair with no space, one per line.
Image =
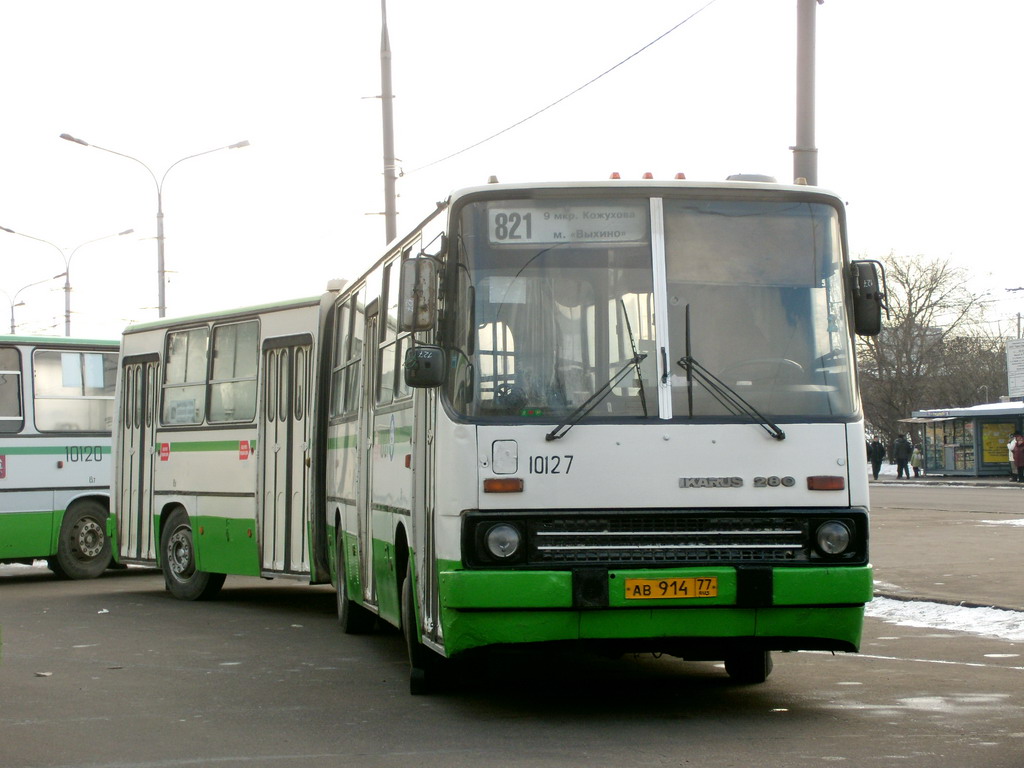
648,175
680,175
615,175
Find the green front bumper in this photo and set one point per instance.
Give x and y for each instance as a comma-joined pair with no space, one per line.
808,608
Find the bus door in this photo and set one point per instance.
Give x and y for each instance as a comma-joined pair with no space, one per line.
284,463
140,395
367,444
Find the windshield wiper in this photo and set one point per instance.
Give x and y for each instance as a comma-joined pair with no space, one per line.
728,397
637,359
592,402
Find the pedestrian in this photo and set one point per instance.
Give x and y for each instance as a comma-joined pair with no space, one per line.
917,461
876,452
901,451
1018,456
1009,449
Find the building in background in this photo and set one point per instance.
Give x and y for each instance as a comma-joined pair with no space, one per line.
967,441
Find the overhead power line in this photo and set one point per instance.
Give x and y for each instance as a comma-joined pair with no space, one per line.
566,96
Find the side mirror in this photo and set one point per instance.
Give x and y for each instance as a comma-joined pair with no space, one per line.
417,308
868,297
424,366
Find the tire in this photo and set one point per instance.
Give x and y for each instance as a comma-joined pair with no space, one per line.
178,561
424,664
54,565
83,549
353,618
749,667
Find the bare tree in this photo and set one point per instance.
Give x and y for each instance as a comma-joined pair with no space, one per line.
932,348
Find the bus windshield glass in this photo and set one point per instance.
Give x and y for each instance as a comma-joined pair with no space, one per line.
555,297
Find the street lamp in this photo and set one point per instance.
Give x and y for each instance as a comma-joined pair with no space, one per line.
162,308
67,267
13,301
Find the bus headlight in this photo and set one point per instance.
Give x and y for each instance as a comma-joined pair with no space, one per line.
833,537
502,541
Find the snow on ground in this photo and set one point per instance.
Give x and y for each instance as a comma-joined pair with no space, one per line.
990,622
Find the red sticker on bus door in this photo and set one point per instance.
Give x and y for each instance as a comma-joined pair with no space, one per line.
165,451
3,467
243,449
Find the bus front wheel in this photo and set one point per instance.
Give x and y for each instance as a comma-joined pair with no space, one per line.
353,618
178,561
424,664
83,549
749,667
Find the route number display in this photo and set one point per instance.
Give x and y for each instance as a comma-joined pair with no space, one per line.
533,223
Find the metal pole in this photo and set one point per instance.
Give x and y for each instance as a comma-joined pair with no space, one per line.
67,298
67,276
805,154
159,183
160,272
387,120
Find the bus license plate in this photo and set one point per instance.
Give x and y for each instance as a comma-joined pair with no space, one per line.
671,589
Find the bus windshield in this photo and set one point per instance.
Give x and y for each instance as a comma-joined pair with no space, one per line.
556,297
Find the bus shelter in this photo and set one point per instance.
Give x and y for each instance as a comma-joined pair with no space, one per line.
967,441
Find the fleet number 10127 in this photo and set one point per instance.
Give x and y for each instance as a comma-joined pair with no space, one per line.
550,465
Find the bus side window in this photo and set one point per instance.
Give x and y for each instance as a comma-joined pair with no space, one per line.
185,376
11,417
342,342
73,391
386,367
354,368
235,358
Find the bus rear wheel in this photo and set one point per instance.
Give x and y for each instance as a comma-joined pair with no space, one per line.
83,549
178,561
749,667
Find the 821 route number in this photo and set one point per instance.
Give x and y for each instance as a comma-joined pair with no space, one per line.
513,226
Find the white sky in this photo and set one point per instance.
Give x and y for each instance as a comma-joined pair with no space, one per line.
917,113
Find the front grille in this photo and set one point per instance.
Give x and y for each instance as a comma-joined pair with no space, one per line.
666,540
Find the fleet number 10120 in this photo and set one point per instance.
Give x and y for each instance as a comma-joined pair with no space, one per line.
83,453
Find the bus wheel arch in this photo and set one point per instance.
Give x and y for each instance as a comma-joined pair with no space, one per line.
83,547
423,664
178,559
355,619
402,558
426,668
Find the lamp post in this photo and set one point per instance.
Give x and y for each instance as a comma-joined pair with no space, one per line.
162,304
13,301
67,267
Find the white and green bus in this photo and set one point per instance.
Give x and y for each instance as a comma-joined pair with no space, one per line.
214,446
619,414
56,412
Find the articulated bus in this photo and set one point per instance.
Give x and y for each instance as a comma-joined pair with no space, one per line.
618,414
214,447
56,412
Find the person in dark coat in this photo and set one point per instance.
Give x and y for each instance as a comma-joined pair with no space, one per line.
901,452
1018,457
876,452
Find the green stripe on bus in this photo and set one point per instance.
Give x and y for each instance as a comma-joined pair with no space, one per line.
209,445
48,450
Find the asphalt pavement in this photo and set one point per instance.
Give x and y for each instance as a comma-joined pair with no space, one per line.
949,540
